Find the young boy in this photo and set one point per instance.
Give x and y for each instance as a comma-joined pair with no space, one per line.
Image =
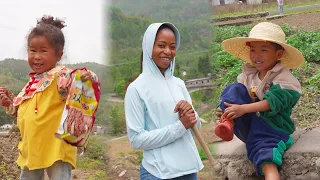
257,109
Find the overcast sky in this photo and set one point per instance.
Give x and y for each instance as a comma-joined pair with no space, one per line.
84,32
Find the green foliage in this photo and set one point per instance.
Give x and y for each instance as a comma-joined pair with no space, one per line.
95,150
223,33
306,70
223,59
98,175
204,65
15,68
119,87
127,32
89,164
94,157
288,30
231,75
203,155
201,96
117,120
102,112
140,156
308,43
314,81
166,10
226,32
126,35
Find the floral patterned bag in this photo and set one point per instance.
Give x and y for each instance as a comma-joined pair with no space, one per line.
80,111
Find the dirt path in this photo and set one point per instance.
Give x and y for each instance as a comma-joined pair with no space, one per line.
307,21
123,160
304,21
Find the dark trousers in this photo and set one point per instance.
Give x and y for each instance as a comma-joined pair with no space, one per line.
264,144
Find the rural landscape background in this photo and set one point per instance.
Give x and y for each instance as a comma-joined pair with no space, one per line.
203,28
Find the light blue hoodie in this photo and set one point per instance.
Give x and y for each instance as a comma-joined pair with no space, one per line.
152,125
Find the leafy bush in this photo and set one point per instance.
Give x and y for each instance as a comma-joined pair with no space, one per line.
117,120
223,33
314,81
119,88
288,30
308,43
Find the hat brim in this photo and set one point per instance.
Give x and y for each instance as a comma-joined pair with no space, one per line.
291,58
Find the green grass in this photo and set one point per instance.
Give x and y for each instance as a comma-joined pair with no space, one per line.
98,175
208,116
94,159
203,155
138,153
89,164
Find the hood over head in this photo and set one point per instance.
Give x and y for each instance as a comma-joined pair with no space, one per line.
148,65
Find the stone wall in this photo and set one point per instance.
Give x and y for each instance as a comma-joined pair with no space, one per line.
301,161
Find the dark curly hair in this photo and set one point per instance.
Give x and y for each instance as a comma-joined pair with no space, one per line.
49,27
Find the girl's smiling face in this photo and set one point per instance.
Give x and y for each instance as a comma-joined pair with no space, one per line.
42,56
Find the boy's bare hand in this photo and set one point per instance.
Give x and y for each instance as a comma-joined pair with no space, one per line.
218,113
233,111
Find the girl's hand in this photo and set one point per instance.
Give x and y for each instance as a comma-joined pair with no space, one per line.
4,97
233,111
188,120
85,76
183,107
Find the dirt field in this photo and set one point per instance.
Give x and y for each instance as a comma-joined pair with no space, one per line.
8,155
308,21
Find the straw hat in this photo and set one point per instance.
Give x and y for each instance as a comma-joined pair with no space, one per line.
264,31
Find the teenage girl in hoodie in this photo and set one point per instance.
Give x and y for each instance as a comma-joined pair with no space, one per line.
159,112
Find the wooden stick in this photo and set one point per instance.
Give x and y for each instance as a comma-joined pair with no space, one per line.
203,144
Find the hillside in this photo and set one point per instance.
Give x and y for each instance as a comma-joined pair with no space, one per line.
127,32
166,10
126,37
